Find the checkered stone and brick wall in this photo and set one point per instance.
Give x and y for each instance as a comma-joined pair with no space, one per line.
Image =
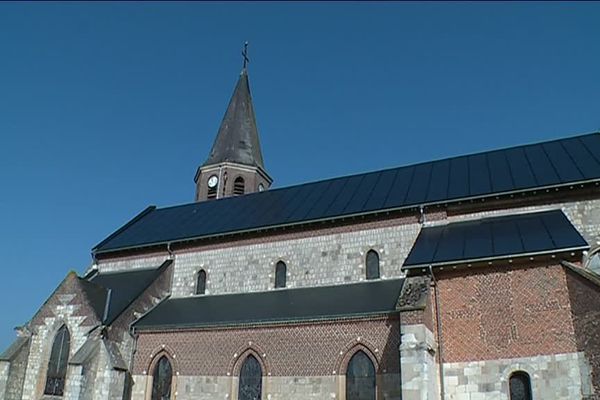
299,361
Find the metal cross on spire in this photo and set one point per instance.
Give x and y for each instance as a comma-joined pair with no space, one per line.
245,54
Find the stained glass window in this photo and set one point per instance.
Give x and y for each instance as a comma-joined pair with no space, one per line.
201,282
520,386
372,265
250,380
280,274
360,378
161,380
57,365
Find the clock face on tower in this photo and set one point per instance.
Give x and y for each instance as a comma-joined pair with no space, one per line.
212,181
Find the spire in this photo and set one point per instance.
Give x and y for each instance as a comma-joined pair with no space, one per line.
237,139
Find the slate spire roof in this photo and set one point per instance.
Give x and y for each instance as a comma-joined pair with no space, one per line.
237,139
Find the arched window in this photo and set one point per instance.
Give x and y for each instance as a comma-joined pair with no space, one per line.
250,380
360,378
238,186
280,274
57,366
520,386
372,265
201,282
161,379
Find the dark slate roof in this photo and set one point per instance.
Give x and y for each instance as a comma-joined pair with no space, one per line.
125,287
498,237
96,296
237,140
524,168
367,298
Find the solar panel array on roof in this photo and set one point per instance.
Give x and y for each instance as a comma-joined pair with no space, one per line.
379,296
566,161
497,237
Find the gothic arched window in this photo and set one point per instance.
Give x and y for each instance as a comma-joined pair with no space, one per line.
250,380
201,282
239,186
161,379
372,264
360,378
520,386
280,274
57,365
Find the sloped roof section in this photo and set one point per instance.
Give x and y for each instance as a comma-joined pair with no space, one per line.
124,287
493,238
367,298
96,296
237,140
14,348
563,162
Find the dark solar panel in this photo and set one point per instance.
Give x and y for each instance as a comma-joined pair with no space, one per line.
419,185
512,235
362,194
458,185
528,167
438,187
584,160
519,169
564,165
540,166
479,175
399,189
500,172
381,190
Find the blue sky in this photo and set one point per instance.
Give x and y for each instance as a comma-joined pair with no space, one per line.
106,108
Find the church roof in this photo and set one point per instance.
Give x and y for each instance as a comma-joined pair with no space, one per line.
276,306
237,140
122,288
529,168
494,238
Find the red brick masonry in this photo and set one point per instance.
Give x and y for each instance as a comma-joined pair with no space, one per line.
311,349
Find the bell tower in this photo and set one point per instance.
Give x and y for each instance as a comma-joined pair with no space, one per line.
235,164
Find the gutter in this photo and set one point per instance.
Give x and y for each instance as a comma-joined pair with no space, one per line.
439,333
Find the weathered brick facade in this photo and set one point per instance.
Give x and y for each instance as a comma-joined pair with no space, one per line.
584,296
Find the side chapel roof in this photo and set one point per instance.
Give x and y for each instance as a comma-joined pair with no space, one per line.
275,306
553,164
493,238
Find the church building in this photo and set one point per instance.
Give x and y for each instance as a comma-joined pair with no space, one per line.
469,278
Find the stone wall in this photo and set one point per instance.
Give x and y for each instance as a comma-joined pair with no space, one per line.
328,387
67,306
16,374
553,377
585,304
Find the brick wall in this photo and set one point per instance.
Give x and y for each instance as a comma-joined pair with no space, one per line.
585,304
505,312
289,350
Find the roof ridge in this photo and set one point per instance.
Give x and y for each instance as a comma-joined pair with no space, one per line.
384,170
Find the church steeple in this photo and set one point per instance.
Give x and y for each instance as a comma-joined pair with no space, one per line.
235,164
237,139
